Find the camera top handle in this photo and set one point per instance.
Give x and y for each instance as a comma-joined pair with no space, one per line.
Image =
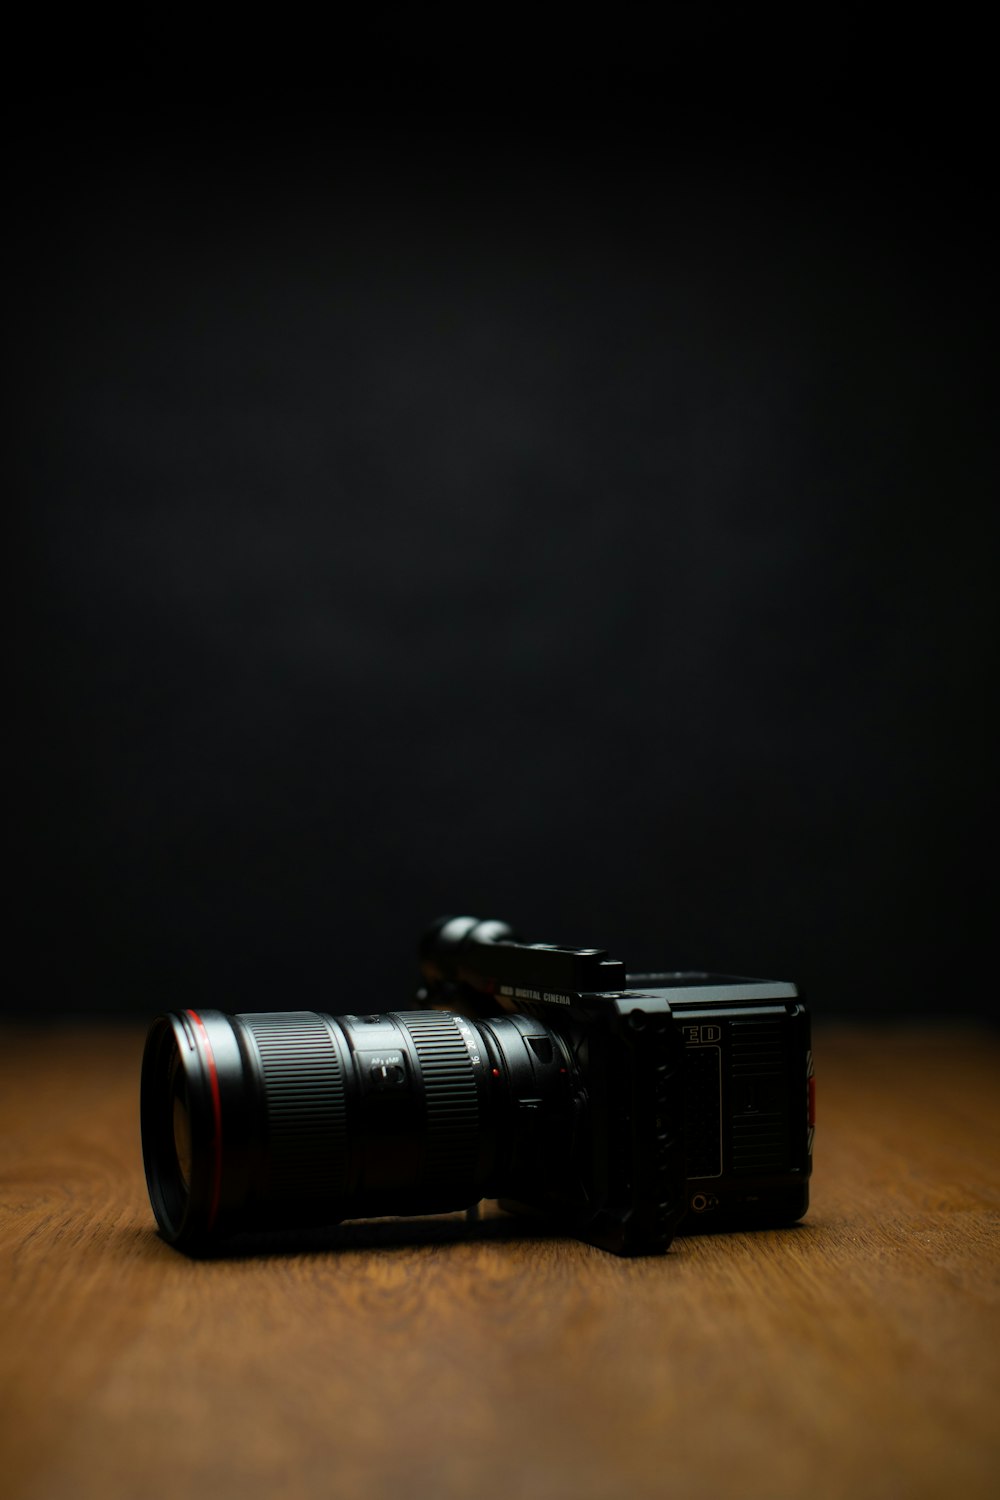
489,958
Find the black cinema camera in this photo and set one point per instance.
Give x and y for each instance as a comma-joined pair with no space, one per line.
617,1107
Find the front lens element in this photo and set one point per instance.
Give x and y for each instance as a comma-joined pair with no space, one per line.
181,1114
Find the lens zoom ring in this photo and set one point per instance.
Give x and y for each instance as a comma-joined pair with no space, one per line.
306,1111
452,1099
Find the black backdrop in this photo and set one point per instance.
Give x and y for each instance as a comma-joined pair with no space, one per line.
550,480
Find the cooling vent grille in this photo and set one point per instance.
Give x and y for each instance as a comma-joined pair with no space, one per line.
759,1096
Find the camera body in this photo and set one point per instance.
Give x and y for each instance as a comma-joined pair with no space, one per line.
701,1104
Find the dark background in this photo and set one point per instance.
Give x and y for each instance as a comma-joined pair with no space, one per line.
538,474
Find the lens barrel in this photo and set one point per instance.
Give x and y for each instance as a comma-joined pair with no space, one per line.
283,1120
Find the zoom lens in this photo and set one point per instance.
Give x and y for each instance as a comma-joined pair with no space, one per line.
282,1120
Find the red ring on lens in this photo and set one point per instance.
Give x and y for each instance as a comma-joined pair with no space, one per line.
213,1080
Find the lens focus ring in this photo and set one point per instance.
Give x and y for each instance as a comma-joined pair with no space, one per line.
452,1100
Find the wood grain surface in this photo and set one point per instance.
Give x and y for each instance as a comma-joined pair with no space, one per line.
856,1355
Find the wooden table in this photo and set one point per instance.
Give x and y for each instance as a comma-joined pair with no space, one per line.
854,1356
